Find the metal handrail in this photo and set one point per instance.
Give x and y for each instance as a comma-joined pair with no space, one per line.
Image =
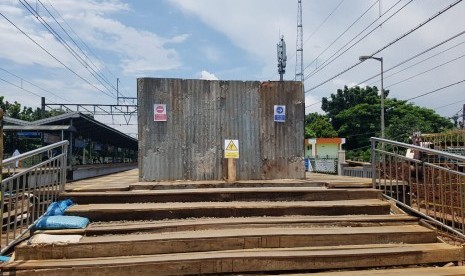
26,194
31,153
409,146
431,185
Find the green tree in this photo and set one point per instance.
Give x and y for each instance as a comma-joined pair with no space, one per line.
347,98
357,124
355,114
25,113
405,118
317,125
14,110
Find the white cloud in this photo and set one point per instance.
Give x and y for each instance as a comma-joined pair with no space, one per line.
179,38
205,75
253,26
213,54
139,51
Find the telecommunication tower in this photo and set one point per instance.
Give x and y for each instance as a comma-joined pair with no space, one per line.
299,56
282,58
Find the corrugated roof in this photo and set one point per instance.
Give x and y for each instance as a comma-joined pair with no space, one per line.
14,121
83,124
39,128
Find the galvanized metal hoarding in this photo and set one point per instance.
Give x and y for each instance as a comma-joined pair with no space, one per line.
201,114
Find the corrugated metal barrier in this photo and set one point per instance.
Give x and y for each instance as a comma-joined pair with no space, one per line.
201,114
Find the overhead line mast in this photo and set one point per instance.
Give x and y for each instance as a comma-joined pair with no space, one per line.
299,57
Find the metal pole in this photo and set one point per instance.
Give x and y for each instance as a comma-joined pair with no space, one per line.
117,91
463,115
382,99
1,152
42,102
373,165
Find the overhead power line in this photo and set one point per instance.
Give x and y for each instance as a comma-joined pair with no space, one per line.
312,104
100,74
332,58
324,21
388,45
317,29
449,104
97,57
436,90
19,87
343,33
80,39
51,55
426,71
419,54
417,63
35,85
64,43
92,64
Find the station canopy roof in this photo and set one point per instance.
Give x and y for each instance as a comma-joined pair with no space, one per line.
78,123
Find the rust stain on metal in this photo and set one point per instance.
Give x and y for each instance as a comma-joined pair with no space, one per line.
201,114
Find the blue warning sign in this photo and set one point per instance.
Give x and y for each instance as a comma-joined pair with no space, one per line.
280,113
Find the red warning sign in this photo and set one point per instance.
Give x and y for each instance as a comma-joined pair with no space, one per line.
159,113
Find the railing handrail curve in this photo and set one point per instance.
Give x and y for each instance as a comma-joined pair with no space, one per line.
31,153
409,146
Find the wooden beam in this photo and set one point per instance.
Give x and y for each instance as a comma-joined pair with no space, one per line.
231,170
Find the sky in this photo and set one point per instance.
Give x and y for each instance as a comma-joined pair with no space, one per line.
227,40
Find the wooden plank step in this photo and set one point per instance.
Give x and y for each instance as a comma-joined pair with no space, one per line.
247,260
103,228
417,271
224,239
223,194
158,211
338,181
183,184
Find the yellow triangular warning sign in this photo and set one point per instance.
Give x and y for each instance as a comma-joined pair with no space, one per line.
231,146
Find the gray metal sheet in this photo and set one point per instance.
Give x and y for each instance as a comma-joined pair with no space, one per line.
202,114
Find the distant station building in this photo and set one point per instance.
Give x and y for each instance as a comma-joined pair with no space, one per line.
94,149
323,147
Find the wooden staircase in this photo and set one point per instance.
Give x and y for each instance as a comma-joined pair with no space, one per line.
260,227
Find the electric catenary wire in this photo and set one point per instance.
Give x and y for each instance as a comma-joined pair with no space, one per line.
343,33
426,71
387,45
35,85
80,39
64,43
435,90
324,21
332,58
417,63
54,57
101,75
415,56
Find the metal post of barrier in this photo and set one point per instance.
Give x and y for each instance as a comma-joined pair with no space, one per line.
373,162
27,193
1,142
2,192
434,191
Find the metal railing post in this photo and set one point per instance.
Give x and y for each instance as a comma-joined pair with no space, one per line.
428,191
373,162
26,193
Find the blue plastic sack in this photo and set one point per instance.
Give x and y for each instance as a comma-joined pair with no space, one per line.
61,222
4,259
58,208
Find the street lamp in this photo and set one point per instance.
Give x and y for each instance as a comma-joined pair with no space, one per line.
380,59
